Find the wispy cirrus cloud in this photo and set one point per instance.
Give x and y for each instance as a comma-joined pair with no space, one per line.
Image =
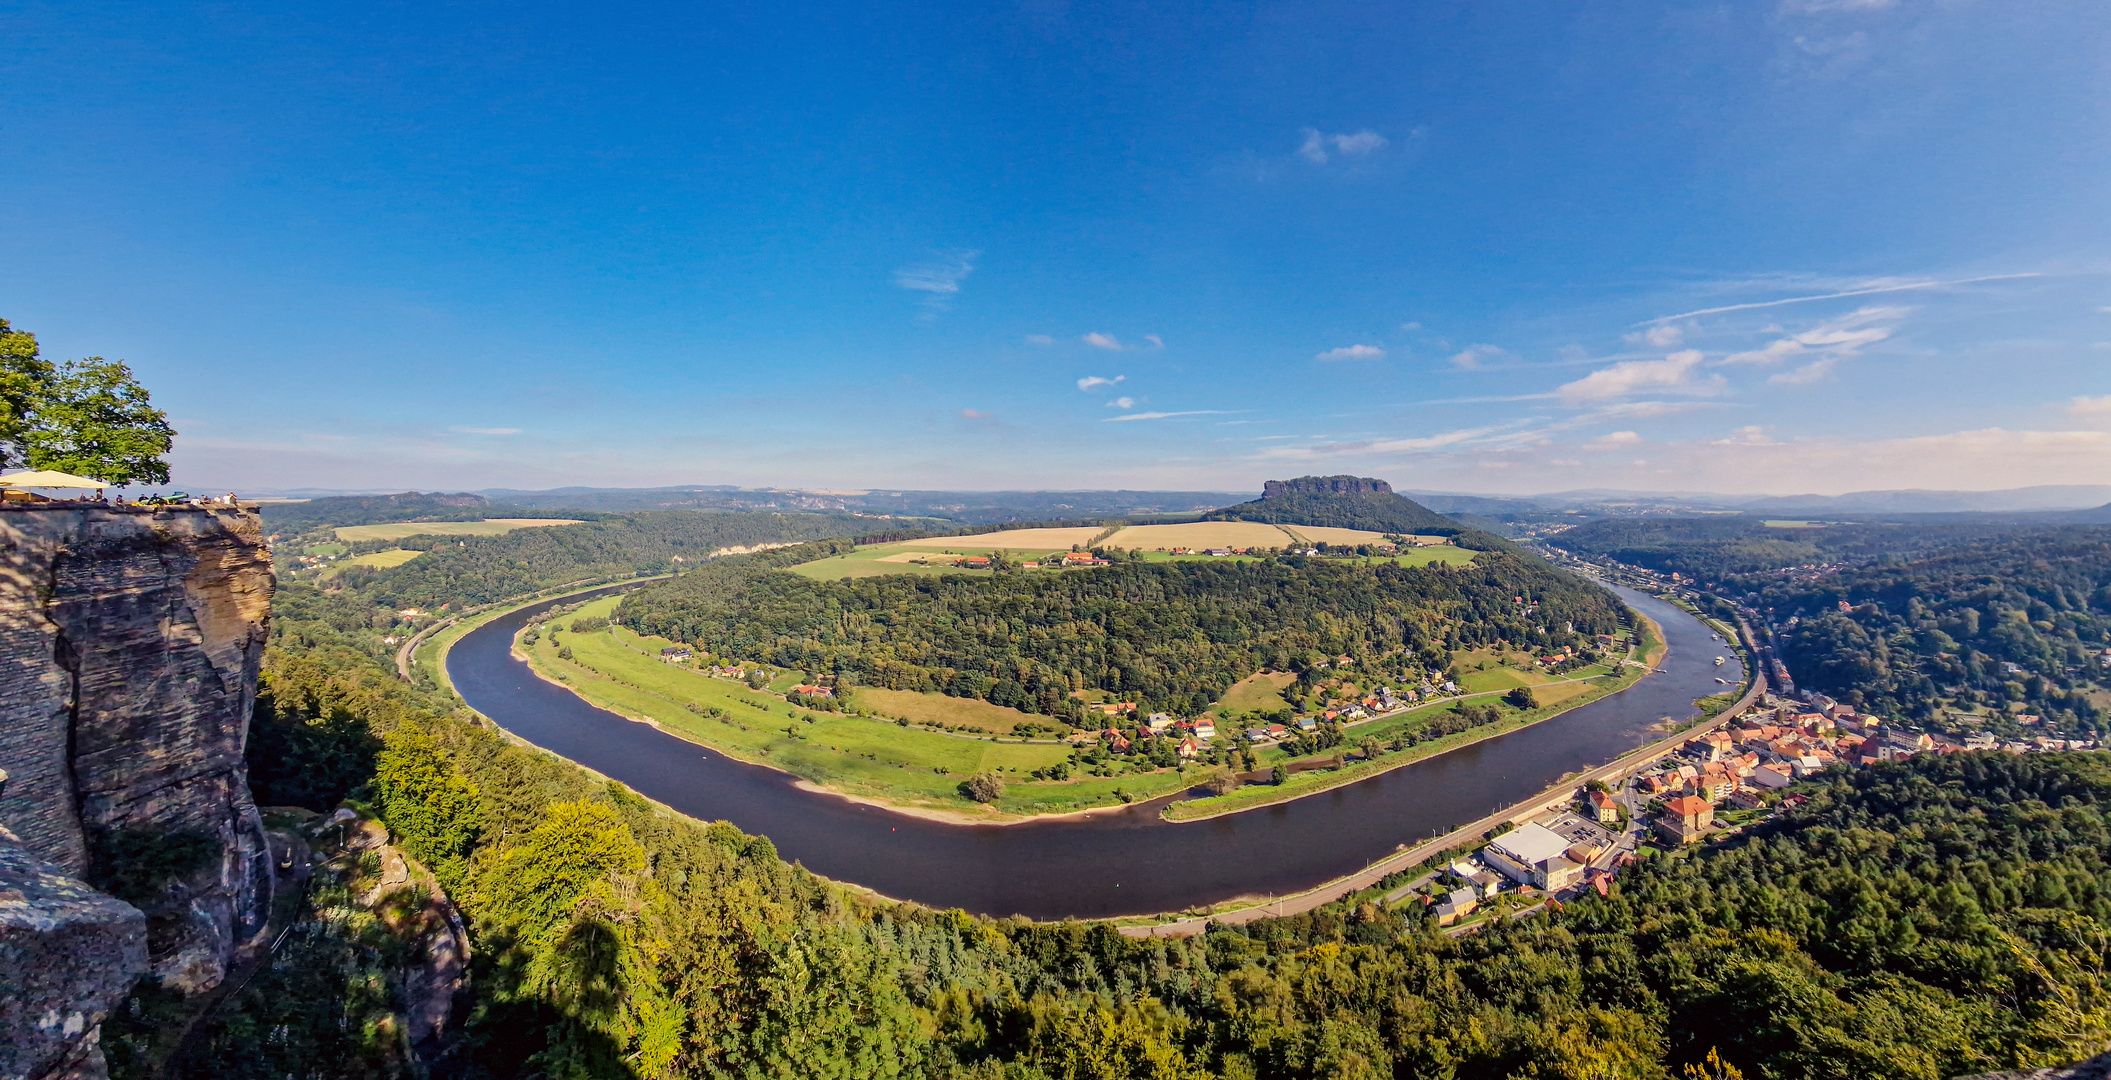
939,279
1093,382
1353,352
1114,344
2090,407
1357,144
1678,373
1122,403
1039,339
1873,288
1166,415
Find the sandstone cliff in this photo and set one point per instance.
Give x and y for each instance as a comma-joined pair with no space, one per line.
129,645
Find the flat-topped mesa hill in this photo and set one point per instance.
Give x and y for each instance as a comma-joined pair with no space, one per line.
1340,502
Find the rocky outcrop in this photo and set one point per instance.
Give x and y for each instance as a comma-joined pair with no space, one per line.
70,954
1326,485
129,645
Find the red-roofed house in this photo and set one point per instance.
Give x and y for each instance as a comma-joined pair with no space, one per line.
1686,819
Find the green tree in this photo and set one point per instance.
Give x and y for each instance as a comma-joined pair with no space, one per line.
1521,697
430,807
90,417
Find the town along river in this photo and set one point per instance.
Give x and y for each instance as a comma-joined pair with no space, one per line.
1123,861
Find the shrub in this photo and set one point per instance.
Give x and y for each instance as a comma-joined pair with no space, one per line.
983,787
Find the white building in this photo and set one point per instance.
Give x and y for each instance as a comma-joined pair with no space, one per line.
1533,854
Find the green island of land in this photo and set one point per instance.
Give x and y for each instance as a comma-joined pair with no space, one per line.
911,751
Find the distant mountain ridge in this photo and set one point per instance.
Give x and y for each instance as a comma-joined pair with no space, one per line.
1339,502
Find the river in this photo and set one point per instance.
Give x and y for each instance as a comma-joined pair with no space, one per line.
1123,861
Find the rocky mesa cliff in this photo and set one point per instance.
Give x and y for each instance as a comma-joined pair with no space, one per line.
130,640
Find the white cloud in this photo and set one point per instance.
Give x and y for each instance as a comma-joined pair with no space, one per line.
1815,371
1410,326
2090,406
1476,357
485,430
1353,352
1836,339
940,278
1122,403
1164,415
1657,337
1039,339
1614,440
1092,382
1748,435
1156,341
974,414
1103,341
1673,374
1314,148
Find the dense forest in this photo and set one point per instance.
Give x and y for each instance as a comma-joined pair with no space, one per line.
1339,502
1919,920
1903,620
480,570
334,510
1173,635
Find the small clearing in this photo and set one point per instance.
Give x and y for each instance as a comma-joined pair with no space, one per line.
1322,534
381,560
1261,692
948,711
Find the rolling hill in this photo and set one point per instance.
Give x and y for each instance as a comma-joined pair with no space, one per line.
1343,502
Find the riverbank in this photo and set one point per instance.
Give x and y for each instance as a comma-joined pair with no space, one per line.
1650,643
905,769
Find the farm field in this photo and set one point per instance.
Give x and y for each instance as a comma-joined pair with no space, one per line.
1012,540
1324,534
1424,556
379,559
397,530
881,559
1201,534
909,766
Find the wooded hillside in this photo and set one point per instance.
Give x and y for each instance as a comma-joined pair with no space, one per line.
1174,634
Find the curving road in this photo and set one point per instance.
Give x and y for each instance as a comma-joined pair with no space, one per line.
1124,861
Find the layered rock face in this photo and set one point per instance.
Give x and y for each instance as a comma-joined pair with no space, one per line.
129,645
1326,485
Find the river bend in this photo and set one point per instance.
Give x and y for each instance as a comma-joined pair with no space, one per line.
1122,861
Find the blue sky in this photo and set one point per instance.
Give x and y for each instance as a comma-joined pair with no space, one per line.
1820,245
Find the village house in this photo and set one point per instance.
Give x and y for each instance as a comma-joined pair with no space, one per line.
1458,905
1605,806
1205,729
1686,819
675,654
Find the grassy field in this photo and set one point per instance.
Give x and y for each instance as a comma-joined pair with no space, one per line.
1324,534
380,559
1261,692
1012,540
1201,534
397,530
873,758
946,711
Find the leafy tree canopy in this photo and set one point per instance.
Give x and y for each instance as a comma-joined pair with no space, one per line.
88,417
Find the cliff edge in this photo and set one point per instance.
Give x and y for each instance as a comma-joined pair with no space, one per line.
130,639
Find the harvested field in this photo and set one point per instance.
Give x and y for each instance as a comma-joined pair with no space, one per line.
1012,540
1320,534
1201,534
397,530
